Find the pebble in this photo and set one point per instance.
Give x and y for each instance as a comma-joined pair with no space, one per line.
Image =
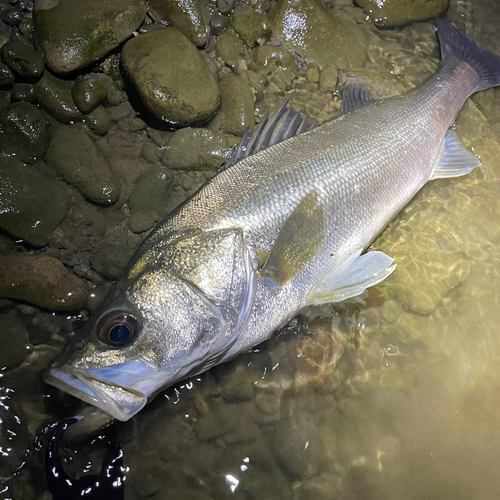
88,94
99,121
110,260
42,281
6,76
225,6
249,24
11,16
23,60
32,205
14,342
22,92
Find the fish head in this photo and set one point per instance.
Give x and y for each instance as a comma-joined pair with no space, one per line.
174,314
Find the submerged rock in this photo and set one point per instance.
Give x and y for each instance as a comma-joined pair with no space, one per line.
236,104
249,24
23,131
172,78
88,94
278,65
6,75
326,37
197,149
75,156
22,92
32,205
14,341
42,281
230,48
185,15
110,260
55,96
399,12
23,60
74,34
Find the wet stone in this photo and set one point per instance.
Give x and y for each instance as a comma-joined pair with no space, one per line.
99,121
23,131
230,48
277,63
26,28
11,16
392,13
141,222
220,420
328,79
249,24
23,60
32,205
83,165
236,104
324,36
185,15
110,260
197,149
14,341
225,6
88,94
42,281
166,68
70,44
6,75
22,92
55,96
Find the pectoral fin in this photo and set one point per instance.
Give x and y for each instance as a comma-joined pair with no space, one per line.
356,94
298,241
352,278
455,159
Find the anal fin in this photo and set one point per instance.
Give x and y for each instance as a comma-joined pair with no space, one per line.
455,159
352,278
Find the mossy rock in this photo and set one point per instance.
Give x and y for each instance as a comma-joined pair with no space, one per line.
88,94
74,34
172,78
23,60
236,104
249,24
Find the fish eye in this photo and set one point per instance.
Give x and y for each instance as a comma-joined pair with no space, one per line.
117,329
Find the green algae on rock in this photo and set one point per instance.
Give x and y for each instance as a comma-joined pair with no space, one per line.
74,34
249,24
75,156
14,341
390,13
55,96
42,281
88,94
236,104
230,48
197,149
172,78
23,131
23,60
185,15
32,205
320,35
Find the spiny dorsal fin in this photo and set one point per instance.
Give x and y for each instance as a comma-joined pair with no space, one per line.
286,123
297,243
455,159
356,94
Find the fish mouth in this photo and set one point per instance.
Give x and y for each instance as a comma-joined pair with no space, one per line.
120,390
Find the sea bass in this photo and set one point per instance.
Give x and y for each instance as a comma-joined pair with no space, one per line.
284,226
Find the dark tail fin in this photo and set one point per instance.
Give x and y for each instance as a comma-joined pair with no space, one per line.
454,43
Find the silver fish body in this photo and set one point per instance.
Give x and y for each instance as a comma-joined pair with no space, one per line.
280,229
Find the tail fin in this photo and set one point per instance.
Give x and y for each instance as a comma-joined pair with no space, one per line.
454,43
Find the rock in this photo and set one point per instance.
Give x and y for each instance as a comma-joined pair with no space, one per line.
277,63
32,205
11,16
312,74
55,96
82,165
14,341
42,281
249,24
328,79
110,260
225,6
141,222
151,193
26,28
88,94
230,48
320,35
185,15
23,60
220,420
236,104
22,92
392,13
23,131
172,78
114,93
6,76
99,120
197,149
74,34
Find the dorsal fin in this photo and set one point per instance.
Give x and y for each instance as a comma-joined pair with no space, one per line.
356,94
286,123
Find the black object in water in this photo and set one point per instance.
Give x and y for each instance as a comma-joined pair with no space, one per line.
108,484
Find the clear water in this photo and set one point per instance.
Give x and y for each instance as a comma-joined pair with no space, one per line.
394,396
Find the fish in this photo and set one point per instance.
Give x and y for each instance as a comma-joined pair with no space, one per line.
284,225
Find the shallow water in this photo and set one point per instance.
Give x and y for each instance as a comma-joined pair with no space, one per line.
393,395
